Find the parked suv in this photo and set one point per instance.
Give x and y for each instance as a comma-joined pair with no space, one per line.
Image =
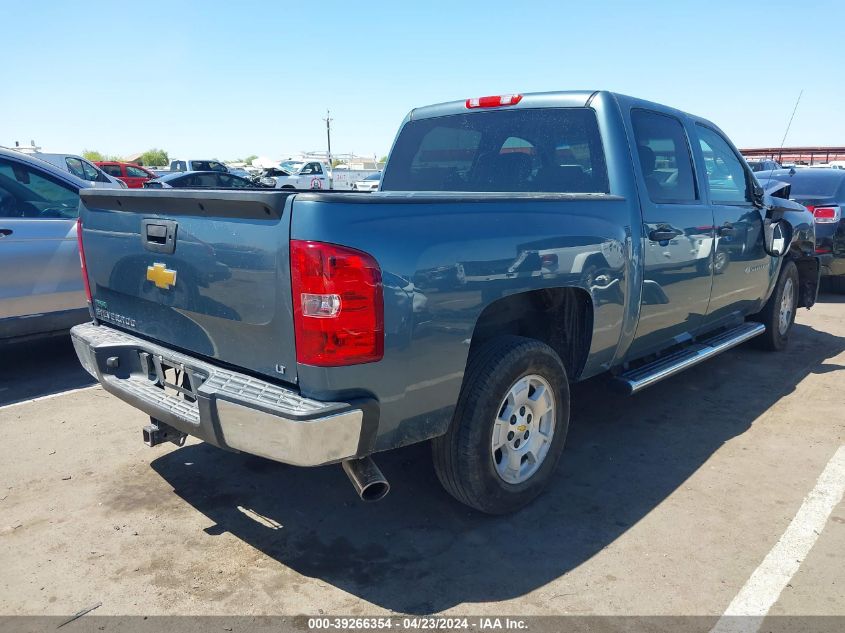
41,290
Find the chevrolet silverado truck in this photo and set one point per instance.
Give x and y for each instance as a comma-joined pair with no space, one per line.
519,243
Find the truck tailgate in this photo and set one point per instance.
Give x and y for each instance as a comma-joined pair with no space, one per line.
204,272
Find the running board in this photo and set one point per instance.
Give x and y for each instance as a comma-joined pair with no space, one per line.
638,379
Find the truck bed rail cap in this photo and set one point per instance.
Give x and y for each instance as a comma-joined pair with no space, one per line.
242,203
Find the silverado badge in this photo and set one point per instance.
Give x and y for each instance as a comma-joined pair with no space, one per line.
161,276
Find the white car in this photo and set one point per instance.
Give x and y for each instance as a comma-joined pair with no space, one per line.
303,175
82,168
370,183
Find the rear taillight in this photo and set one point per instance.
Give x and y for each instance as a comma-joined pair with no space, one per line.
82,261
338,305
494,101
825,215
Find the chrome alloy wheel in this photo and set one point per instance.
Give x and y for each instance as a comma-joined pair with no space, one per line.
523,430
787,306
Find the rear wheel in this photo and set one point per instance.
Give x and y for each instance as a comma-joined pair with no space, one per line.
778,314
509,427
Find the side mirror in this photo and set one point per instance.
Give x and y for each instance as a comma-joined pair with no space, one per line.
777,236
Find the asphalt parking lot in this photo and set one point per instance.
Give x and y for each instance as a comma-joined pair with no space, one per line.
665,503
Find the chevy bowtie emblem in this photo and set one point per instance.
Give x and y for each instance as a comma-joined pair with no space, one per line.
161,276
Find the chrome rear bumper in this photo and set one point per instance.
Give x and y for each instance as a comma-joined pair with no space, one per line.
226,408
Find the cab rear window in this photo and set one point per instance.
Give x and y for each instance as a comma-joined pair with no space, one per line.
545,150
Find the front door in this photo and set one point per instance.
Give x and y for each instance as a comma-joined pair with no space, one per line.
312,177
677,235
135,177
38,252
741,267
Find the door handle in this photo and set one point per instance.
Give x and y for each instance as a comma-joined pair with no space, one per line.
727,230
5,232
663,234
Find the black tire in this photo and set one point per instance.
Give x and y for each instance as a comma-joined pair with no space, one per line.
463,457
774,339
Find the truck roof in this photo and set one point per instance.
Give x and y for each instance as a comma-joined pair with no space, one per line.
571,99
554,99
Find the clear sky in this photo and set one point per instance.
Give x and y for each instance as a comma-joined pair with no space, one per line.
230,78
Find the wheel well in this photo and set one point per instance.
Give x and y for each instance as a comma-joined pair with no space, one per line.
560,317
808,279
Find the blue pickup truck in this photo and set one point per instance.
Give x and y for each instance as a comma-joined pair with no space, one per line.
518,243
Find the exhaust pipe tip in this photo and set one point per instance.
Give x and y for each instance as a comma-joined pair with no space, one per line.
375,491
366,478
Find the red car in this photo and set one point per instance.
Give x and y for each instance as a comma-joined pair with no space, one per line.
133,175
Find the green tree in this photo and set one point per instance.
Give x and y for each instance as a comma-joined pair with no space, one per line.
383,159
248,160
155,158
92,155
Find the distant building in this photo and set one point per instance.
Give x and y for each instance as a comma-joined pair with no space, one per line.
133,158
797,155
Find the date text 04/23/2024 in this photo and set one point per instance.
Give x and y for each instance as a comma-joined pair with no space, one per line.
421,623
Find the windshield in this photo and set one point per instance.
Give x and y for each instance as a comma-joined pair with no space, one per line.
292,166
527,150
373,177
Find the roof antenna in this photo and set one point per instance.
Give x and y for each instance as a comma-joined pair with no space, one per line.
789,125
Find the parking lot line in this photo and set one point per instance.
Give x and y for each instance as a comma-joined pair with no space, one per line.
767,582
48,397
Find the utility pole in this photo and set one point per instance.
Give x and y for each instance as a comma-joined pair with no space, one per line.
328,121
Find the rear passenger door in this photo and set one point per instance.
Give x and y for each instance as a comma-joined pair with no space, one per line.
677,234
740,264
112,170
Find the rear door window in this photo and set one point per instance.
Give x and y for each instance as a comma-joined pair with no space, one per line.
208,180
554,150
74,166
112,170
92,173
665,160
